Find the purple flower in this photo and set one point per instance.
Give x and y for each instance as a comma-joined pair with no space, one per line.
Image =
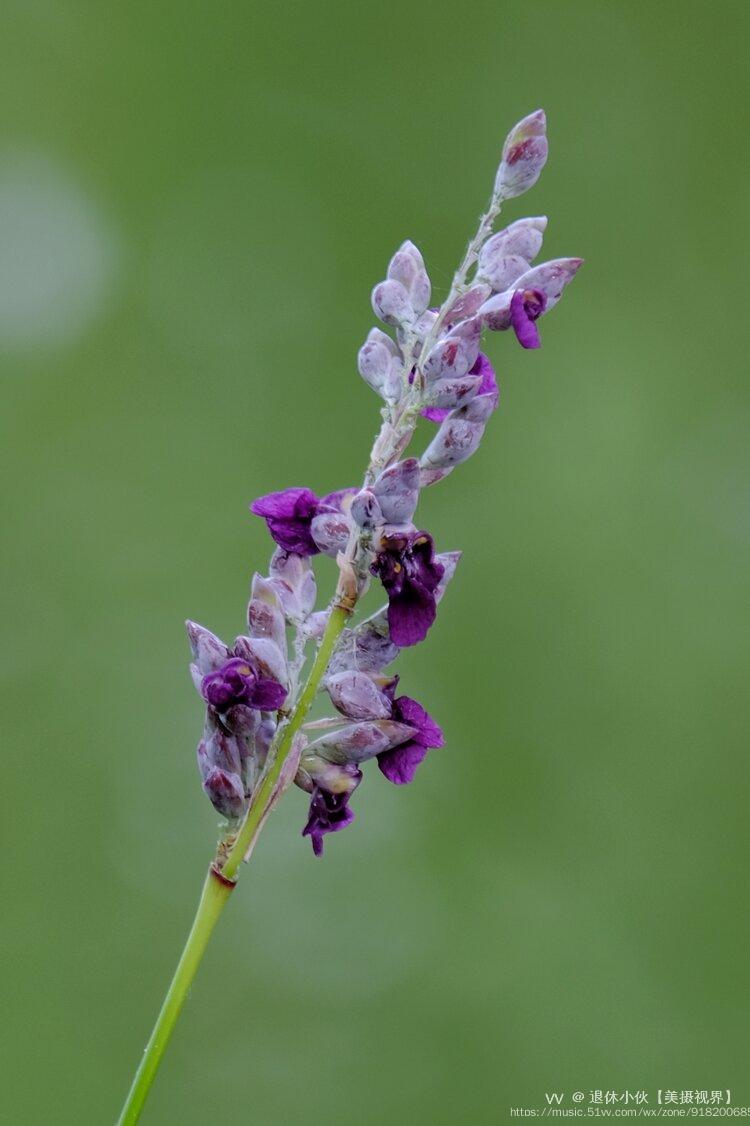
289,515
408,570
399,765
236,682
488,385
328,814
526,306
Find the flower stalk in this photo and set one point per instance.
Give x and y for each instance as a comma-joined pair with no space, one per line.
256,742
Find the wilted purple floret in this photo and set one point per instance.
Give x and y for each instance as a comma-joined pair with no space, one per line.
399,765
408,570
328,814
488,385
526,306
237,683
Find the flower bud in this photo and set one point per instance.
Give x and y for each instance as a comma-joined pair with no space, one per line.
467,304
407,267
495,313
451,393
522,238
459,436
367,648
264,616
456,353
263,655
356,696
209,652
330,530
391,304
501,271
331,776
358,742
550,278
315,626
379,363
218,748
226,793
396,491
365,510
293,579
524,156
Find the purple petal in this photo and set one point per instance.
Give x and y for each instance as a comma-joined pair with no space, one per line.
288,515
329,813
429,733
268,695
286,505
400,765
410,615
523,325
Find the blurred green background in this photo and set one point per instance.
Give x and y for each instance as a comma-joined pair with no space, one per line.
195,201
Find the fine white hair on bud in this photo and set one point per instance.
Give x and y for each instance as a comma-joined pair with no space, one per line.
524,156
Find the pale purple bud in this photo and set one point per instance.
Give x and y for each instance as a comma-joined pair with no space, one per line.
458,437
407,267
467,304
356,696
448,560
524,156
456,353
502,271
264,616
315,626
495,313
331,776
522,239
218,748
358,742
397,491
367,648
226,792
264,738
391,304
209,652
380,364
330,530
293,579
263,655
550,278
451,393
365,510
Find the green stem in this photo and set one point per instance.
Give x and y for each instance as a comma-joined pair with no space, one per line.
216,892
250,826
219,883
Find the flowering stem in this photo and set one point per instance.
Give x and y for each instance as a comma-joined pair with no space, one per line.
216,892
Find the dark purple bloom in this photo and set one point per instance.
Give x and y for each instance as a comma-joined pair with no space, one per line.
235,682
526,306
408,570
399,765
328,814
488,386
289,515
